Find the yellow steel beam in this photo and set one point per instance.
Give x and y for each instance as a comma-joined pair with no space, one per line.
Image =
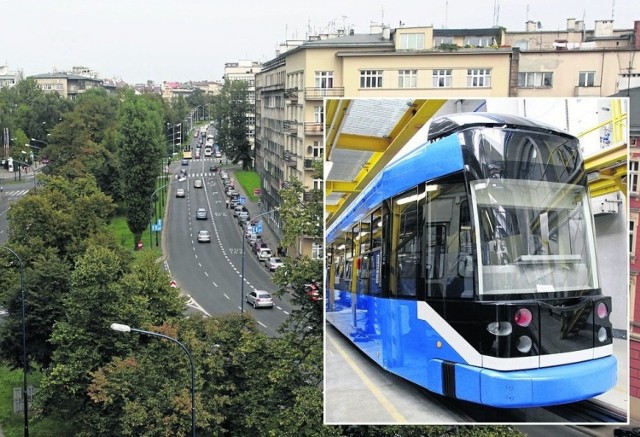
340,186
606,157
331,209
407,126
609,180
363,143
335,116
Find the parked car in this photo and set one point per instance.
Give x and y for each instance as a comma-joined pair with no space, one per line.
258,245
180,192
201,214
259,299
197,183
264,254
243,216
231,192
312,291
204,237
273,263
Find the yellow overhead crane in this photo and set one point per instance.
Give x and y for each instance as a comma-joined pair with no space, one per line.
383,148
607,169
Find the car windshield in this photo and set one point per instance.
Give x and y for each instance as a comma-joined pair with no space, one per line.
264,296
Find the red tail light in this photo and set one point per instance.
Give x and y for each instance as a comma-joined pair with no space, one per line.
523,317
601,310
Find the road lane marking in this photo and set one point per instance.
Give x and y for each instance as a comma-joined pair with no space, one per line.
225,295
206,274
261,324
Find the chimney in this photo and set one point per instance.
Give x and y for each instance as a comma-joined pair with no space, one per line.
386,33
571,24
579,25
603,28
375,29
351,32
636,33
531,26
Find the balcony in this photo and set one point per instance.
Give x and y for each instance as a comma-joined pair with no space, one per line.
313,128
290,158
290,127
587,91
291,94
311,93
308,163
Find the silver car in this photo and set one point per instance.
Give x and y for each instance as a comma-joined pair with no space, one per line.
201,214
273,263
260,299
204,237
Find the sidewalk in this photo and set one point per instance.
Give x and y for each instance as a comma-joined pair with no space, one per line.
268,236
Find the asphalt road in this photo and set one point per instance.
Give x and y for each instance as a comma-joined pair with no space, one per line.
211,273
12,191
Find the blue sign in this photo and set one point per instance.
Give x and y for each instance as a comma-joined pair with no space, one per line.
242,200
155,228
257,229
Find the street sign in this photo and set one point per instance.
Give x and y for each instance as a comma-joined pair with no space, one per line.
242,200
155,228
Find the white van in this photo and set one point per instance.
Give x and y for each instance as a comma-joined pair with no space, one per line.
264,254
207,151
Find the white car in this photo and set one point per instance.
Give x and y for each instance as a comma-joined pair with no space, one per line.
273,263
204,237
264,254
180,192
259,299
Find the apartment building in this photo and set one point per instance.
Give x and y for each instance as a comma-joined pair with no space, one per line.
245,71
9,79
68,85
634,249
575,61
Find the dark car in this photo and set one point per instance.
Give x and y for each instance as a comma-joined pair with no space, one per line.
213,168
185,162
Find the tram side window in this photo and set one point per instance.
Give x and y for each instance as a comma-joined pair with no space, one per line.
460,277
407,244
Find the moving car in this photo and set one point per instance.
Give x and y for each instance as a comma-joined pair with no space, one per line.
201,214
273,263
180,192
197,183
213,168
185,162
259,299
204,237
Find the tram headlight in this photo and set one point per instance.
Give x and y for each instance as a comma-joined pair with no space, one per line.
524,344
602,334
601,310
499,328
523,317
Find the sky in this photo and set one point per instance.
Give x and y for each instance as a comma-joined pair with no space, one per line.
182,40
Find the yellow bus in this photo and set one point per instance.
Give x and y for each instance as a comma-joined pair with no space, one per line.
186,155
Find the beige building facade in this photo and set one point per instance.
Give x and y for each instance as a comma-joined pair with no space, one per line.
68,85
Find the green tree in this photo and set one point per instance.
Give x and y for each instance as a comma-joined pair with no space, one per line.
231,109
140,144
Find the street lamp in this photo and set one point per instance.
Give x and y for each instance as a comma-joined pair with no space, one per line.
24,343
150,208
242,268
126,328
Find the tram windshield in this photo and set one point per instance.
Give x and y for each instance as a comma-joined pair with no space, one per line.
533,236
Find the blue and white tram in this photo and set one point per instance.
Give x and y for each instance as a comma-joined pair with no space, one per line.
468,267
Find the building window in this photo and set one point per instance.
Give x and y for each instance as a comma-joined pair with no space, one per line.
632,234
633,176
479,41
318,150
587,78
412,41
324,79
318,184
316,250
407,78
480,77
535,80
318,114
371,79
438,41
441,78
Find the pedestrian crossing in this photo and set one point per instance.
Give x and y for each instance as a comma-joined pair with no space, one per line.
14,193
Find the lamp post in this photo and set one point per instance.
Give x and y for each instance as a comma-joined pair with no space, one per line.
242,268
24,343
150,208
35,189
126,328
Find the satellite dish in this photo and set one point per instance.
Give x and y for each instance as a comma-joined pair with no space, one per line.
539,25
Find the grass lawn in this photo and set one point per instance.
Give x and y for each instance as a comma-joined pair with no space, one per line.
13,424
248,180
